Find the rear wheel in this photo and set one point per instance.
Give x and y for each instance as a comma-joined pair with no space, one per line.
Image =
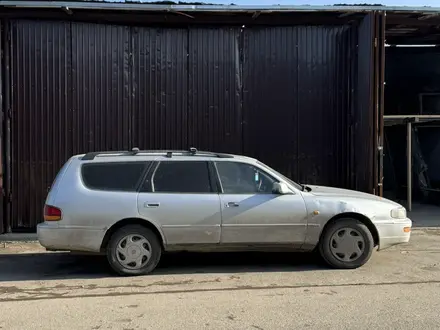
134,250
346,244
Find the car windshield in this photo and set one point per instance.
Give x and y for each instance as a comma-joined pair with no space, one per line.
296,185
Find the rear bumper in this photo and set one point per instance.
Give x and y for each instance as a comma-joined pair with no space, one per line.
69,238
392,232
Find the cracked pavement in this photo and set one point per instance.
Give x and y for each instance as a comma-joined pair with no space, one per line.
398,289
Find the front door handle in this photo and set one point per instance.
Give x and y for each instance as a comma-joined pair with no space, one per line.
232,204
150,205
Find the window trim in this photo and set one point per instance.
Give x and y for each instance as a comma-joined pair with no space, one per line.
154,168
213,173
147,175
221,191
147,164
295,187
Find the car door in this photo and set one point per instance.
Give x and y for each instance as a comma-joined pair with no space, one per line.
179,196
251,213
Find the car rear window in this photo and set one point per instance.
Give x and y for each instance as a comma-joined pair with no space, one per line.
113,176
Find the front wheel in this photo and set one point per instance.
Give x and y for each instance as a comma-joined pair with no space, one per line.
134,250
346,244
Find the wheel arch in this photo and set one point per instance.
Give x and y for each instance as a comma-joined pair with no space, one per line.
357,216
132,221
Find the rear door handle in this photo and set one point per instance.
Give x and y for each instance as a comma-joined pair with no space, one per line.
151,205
232,204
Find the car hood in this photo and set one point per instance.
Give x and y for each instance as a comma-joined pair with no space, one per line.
345,193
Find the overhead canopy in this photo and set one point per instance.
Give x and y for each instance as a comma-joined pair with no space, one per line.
405,25
206,7
413,28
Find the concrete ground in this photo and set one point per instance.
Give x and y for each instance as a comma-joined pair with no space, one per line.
398,289
425,215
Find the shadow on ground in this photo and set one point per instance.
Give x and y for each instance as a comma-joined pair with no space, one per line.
51,266
425,216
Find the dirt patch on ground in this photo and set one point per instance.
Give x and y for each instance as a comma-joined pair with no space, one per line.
21,247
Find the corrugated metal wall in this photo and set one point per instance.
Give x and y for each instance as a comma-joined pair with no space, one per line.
159,90
42,129
214,89
297,85
283,94
364,115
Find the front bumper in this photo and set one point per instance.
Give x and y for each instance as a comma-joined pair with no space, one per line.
393,232
63,238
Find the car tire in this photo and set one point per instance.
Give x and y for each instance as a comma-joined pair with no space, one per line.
332,245
137,242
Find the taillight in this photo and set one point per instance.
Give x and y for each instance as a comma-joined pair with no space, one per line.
52,213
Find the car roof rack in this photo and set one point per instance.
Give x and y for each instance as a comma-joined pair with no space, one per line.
193,151
168,153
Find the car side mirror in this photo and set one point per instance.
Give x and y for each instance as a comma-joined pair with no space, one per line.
281,188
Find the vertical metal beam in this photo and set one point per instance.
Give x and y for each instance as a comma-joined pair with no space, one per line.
376,97
381,99
409,164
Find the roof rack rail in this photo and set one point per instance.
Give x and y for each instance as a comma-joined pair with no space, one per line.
194,151
93,154
168,153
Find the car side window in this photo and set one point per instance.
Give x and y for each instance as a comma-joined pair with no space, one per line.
241,178
113,176
190,177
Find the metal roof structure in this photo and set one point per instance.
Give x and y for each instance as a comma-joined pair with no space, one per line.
201,7
404,25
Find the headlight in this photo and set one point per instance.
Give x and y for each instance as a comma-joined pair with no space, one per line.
398,213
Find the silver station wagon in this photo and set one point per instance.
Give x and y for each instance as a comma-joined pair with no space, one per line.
135,205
